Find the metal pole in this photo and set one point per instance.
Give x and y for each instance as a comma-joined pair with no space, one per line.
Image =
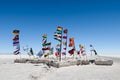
61,46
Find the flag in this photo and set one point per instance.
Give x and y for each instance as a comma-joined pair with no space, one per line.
16,32
71,40
91,45
44,36
64,37
65,31
16,52
57,54
78,52
16,38
64,43
64,48
47,54
44,41
59,28
31,51
46,44
57,32
15,41
82,50
63,53
17,44
59,39
51,50
57,35
81,46
95,52
46,48
58,46
40,53
71,51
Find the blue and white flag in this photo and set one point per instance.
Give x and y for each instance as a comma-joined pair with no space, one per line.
40,53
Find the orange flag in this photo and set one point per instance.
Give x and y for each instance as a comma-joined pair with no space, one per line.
71,40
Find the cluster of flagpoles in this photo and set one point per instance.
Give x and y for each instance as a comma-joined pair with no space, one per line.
61,35
58,37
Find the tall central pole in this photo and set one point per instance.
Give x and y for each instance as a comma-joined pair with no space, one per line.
61,46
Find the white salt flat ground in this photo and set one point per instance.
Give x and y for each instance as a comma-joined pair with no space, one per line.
14,71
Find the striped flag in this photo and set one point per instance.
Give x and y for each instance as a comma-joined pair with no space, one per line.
57,35
16,52
59,39
16,40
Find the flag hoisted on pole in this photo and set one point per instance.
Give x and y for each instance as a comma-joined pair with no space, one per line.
31,51
93,50
65,31
46,46
71,44
58,37
16,42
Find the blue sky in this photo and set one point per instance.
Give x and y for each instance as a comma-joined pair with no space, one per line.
94,22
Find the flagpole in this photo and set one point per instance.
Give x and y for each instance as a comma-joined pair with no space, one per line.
61,46
75,49
66,44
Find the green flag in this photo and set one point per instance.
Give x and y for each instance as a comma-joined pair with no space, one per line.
46,44
31,51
